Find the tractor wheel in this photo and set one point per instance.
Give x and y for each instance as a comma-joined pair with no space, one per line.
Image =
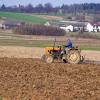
73,57
49,59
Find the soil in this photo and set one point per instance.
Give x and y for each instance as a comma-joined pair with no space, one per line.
31,79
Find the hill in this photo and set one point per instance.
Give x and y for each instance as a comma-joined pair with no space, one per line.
22,17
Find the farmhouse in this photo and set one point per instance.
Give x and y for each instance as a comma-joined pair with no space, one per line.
93,27
1,24
74,26
10,24
68,26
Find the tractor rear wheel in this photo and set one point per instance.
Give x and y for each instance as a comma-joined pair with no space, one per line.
73,57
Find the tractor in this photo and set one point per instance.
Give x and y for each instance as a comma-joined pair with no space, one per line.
67,55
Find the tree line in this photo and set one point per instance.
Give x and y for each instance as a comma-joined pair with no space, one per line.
48,8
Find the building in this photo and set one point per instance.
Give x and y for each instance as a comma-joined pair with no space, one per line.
1,26
10,24
68,28
93,27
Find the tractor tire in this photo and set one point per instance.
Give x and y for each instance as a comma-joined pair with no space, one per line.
73,57
49,59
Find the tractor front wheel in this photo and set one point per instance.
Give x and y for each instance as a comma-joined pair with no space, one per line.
49,59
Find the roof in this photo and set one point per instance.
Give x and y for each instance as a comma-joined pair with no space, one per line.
95,23
74,22
67,23
10,23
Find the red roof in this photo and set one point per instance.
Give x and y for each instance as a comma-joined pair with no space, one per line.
95,23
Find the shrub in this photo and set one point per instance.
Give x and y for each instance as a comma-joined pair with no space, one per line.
29,29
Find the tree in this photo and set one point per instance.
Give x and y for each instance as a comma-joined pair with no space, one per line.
29,8
3,7
48,7
39,8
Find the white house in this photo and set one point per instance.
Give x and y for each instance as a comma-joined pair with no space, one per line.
0,25
47,24
89,27
99,28
93,27
69,28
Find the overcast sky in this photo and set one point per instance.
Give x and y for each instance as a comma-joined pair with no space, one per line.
53,2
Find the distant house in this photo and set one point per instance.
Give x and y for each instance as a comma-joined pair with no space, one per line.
10,25
73,26
68,28
1,26
54,24
47,24
93,27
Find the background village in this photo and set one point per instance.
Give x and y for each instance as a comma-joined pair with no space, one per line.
68,26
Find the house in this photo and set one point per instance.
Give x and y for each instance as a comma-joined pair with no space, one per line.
89,27
74,26
1,26
68,28
93,27
54,24
47,24
10,24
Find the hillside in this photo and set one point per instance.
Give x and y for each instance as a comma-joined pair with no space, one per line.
22,17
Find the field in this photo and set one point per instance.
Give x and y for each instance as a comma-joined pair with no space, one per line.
24,77
8,38
21,17
30,79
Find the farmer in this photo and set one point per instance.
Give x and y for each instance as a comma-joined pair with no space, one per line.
69,44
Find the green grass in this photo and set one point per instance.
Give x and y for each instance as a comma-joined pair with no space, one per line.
22,17
25,43
94,35
37,43
91,48
11,39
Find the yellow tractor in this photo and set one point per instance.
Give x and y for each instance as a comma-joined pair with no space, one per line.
69,55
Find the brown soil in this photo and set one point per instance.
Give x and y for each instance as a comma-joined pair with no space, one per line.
30,79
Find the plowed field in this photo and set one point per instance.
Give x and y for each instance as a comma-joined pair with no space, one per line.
29,79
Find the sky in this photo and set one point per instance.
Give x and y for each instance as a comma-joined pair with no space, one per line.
53,2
